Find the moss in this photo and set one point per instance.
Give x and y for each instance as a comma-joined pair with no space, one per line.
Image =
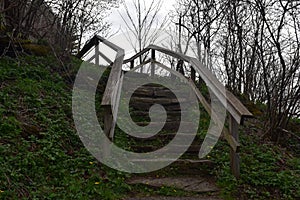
38,50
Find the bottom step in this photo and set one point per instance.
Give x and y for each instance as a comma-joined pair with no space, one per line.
169,160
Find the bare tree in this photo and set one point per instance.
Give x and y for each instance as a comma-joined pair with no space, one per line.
64,22
255,44
143,23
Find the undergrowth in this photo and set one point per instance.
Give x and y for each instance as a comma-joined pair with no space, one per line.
41,155
43,158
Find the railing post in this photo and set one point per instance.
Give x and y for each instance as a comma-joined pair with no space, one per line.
108,118
97,54
132,64
152,62
193,74
234,156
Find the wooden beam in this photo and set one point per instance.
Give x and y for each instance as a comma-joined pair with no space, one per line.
193,74
234,144
115,106
234,156
97,54
110,62
113,79
152,62
234,106
137,55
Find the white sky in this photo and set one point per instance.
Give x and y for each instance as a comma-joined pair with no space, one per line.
118,27
117,21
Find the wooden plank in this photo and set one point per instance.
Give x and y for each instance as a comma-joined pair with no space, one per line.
105,58
193,74
107,120
108,43
137,55
91,59
115,106
97,53
152,63
230,139
140,65
92,42
170,53
235,107
234,156
233,143
95,41
132,64
172,71
113,79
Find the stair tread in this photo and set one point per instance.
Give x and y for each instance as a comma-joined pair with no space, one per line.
169,160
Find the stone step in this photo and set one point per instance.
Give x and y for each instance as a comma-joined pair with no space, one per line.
159,100
156,91
193,149
146,118
197,184
145,106
185,161
171,126
146,113
169,136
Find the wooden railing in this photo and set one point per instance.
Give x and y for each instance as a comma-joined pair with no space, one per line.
111,96
236,110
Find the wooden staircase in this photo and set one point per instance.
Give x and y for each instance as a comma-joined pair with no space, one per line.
140,103
148,95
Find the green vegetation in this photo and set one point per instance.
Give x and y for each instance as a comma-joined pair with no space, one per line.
267,171
43,158
41,155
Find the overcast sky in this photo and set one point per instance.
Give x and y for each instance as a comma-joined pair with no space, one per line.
117,21
118,26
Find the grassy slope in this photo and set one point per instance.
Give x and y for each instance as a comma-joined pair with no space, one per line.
42,157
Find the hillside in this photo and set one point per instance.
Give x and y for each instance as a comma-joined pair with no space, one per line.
43,158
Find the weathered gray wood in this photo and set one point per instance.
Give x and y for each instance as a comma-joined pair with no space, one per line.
140,65
234,156
152,63
108,43
108,118
193,74
115,106
235,107
234,144
97,53
91,59
132,64
105,58
137,55
113,79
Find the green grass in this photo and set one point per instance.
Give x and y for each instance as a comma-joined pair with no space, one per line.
41,156
267,171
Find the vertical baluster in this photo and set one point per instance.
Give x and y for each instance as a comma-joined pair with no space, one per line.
234,156
152,62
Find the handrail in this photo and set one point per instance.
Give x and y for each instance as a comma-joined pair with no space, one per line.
234,106
110,101
238,112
